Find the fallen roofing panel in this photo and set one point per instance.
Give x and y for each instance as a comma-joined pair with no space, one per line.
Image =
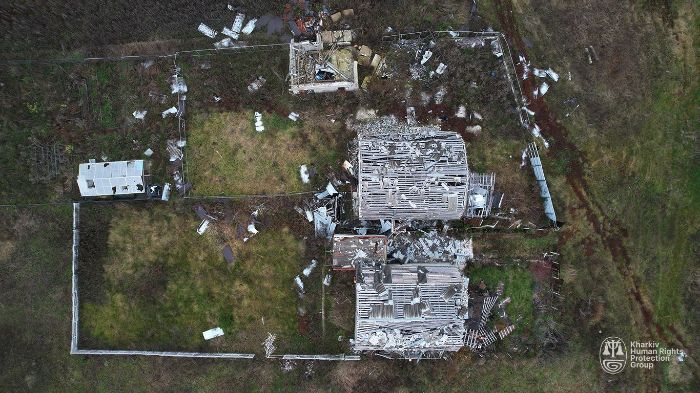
534,155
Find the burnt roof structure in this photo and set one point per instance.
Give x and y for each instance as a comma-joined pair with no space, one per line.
410,311
351,250
411,172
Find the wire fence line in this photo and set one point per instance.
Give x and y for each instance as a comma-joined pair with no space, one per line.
192,52
75,324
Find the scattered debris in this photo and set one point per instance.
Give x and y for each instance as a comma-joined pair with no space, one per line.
225,43
166,193
429,247
249,27
442,67
496,48
169,111
259,127
426,56
351,250
148,152
178,85
256,84
269,344
252,229
203,227
293,116
174,150
461,112
307,270
212,333
327,280
140,114
299,284
206,30
304,173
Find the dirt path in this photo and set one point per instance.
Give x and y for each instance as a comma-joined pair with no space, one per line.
610,231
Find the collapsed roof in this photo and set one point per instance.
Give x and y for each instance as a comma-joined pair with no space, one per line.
410,310
423,247
410,172
351,250
111,178
315,69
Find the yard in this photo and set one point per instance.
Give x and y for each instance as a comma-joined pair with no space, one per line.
148,281
226,156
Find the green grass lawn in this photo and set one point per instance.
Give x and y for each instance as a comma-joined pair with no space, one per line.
518,286
226,156
163,285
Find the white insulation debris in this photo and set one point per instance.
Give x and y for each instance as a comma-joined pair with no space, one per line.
304,173
140,114
206,30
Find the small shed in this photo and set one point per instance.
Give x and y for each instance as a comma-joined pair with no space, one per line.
113,178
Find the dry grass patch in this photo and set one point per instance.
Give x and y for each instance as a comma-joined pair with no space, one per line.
228,157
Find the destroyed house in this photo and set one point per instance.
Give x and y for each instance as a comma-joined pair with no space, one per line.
411,173
429,247
116,178
351,250
316,69
410,311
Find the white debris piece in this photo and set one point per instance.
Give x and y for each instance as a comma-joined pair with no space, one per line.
477,116
213,333
453,34
293,116
496,48
299,283
442,67
169,111
238,23
327,280
181,143
252,229
304,173
426,56
148,152
476,130
225,43
529,111
330,189
307,270
203,227
543,89
539,73
553,75
166,193
259,127
230,33
178,86
217,98
206,30
535,131
249,27
523,158
256,84
348,167
140,114
309,215
461,112
440,94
